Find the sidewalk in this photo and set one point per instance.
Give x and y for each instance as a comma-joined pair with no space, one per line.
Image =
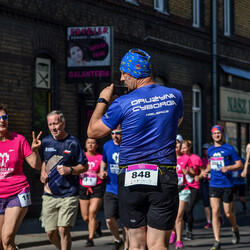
31,234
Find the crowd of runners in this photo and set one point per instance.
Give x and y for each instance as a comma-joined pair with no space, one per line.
147,175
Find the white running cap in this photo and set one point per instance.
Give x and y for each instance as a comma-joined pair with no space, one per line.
179,138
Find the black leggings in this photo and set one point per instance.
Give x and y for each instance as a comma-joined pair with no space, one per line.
188,217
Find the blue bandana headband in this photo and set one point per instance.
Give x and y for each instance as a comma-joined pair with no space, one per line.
135,64
217,127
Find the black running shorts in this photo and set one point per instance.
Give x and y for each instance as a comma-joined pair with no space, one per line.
225,194
93,192
155,206
110,204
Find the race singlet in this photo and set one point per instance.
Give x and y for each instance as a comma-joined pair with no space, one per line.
141,174
217,162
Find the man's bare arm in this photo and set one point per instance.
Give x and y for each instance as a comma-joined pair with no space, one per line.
97,128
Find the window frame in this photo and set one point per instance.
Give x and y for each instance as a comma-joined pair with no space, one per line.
134,2
197,128
162,6
196,13
227,18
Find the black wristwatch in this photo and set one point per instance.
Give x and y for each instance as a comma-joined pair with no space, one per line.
102,100
71,170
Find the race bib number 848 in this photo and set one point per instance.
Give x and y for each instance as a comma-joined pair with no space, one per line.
141,174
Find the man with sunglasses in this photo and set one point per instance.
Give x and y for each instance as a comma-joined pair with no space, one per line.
109,169
147,182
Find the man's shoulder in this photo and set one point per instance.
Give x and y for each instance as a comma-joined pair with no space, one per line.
108,144
47,138
71,138
211,148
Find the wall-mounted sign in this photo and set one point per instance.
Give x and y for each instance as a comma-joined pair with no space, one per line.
43,69
234,105
89,54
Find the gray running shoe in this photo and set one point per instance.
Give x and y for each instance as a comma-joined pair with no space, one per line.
216,246
189,236
236,236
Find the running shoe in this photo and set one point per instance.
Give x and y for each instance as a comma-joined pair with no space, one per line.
178,245
89,243
118,245
236,236
208,226
98,232
189,236
172,238
216,246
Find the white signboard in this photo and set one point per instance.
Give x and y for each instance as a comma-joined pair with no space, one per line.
43,71
234,105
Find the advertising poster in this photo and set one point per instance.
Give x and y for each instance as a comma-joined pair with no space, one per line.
89,54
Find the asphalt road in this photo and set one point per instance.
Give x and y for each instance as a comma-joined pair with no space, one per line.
203,239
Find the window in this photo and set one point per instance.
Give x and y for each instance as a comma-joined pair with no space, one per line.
197,138
42,94
227,17
132,2
161,5
196,13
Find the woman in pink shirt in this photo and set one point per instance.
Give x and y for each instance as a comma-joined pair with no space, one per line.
91,191
194,185
204,187
15,192
184,171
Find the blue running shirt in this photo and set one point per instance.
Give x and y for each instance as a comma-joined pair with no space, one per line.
149,118
66,152
111,157
227,155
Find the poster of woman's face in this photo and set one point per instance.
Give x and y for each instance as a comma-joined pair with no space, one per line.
88,46
75,55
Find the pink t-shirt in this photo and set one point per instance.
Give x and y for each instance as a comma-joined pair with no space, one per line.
12,154
183,162
197,162
94,168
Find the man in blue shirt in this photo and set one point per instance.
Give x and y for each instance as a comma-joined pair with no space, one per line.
63,161
110,168
223,160
147,183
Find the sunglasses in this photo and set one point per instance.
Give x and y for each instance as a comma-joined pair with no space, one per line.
4,117
116,132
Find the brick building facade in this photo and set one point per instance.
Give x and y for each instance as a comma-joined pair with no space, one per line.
177,34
